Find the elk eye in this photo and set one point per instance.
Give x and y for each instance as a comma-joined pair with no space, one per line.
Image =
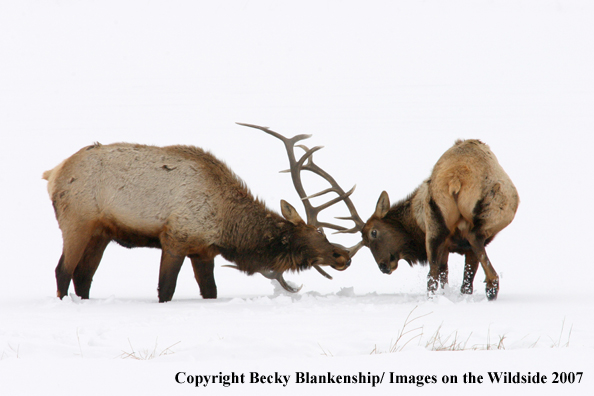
321,231
374,233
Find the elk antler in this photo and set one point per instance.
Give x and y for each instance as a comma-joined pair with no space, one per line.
296,166
269,274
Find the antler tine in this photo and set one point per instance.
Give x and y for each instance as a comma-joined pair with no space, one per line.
278,276
295,169
342,196
322,272
326,191
308,154
295,166
277,135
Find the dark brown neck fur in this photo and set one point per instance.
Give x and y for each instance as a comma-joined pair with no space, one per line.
401,218
256,238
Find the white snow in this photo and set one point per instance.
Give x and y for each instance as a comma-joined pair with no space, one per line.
386,87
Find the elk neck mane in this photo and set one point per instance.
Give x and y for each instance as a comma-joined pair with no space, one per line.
252,236
401,217
257,238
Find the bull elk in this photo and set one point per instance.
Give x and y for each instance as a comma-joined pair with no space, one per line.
465,202
186,202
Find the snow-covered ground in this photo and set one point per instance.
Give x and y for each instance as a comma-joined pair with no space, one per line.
386,87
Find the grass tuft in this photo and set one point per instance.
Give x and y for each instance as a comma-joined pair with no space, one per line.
450,343
147,354
12,351
325,352
557,344
397,346
79,347
453,342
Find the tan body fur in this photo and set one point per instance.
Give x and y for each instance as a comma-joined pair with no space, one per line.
466,201
180,199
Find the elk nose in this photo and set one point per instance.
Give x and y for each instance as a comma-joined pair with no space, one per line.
384,268
348,264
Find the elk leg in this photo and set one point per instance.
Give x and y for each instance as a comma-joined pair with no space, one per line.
492,279
443,270
437,253
168,271
62,278
438,267
470,267
204,274
86,268
71,255
432,279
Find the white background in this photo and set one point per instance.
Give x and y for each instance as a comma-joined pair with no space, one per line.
386,87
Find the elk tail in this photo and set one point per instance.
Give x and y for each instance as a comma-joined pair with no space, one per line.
47,174
455,186
457,178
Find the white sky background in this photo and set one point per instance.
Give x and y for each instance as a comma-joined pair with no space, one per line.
385,86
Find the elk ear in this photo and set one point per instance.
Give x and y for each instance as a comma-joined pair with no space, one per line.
290,213
383,205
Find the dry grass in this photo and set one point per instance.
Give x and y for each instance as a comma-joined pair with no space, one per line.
450,343
396,346
438,341
79,347
325,352
147,354
12,352
417,332
557,344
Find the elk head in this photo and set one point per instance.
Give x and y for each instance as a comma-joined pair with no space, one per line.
377,235
386,235
311,244
311,234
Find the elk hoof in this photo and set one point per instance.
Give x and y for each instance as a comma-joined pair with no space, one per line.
492,291
432,285
466,289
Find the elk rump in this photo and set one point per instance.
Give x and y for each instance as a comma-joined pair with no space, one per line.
467,200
